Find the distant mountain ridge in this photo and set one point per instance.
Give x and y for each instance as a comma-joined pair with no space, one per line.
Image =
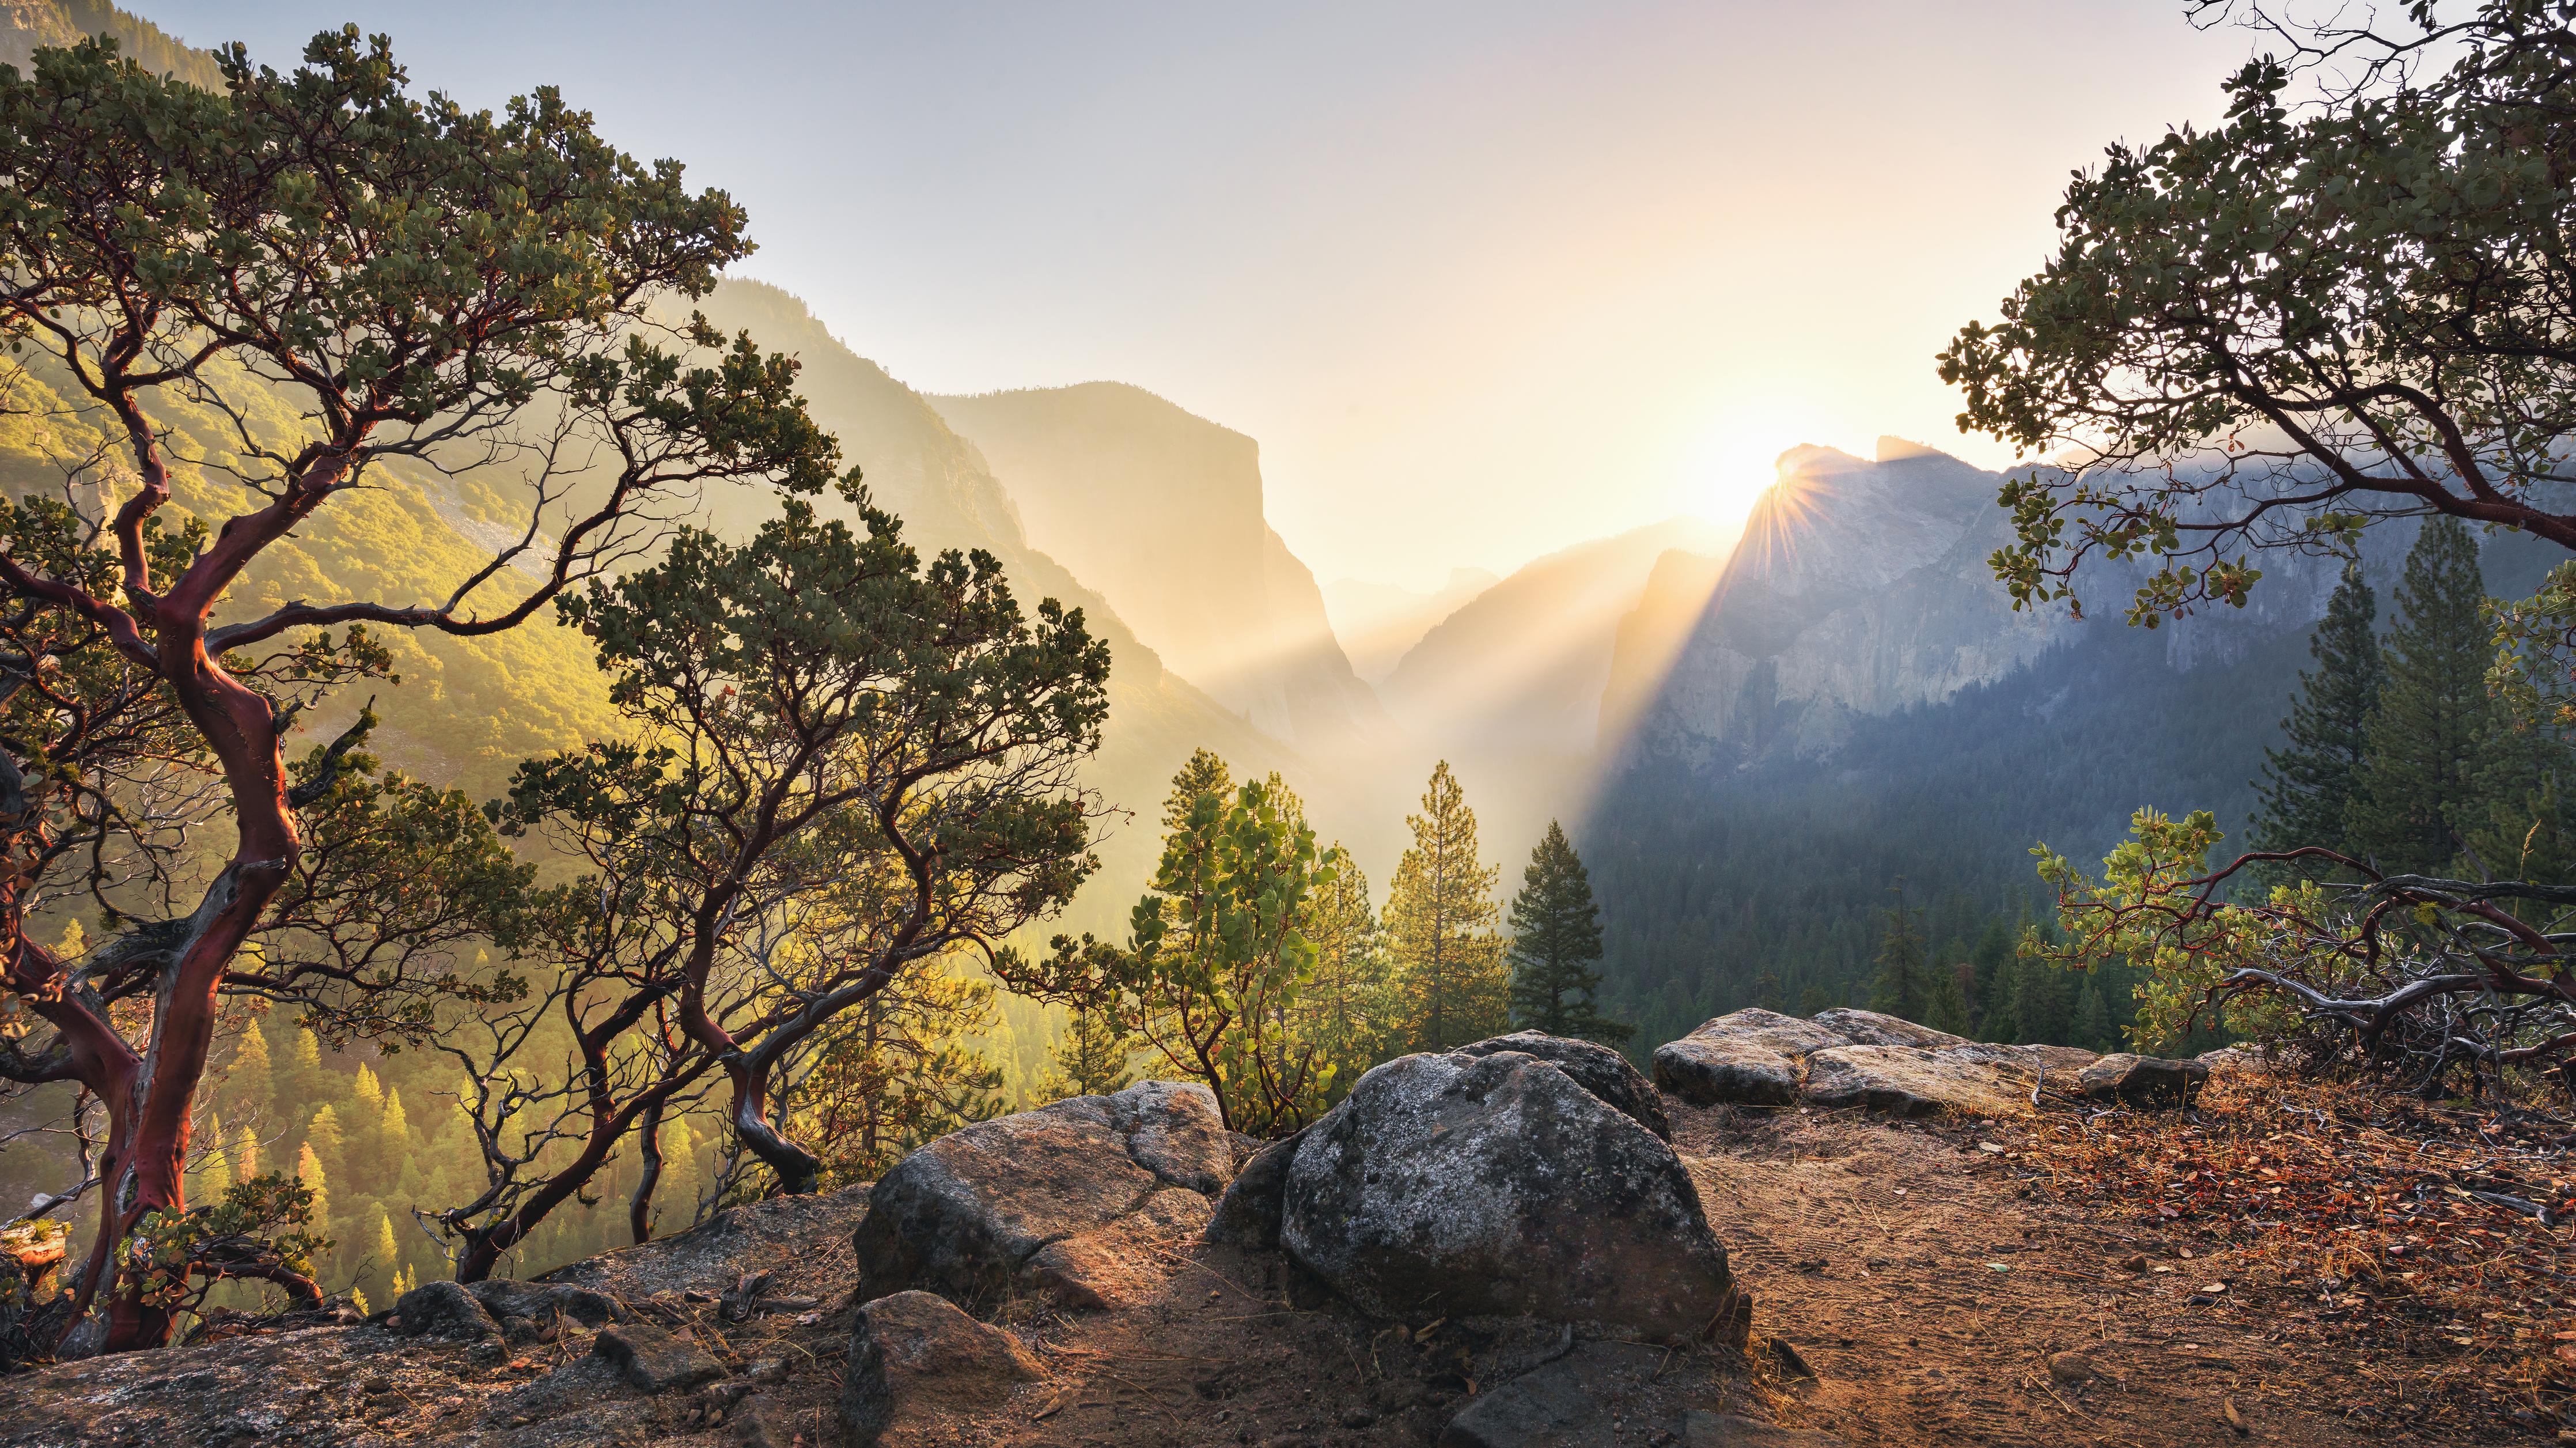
1379,622
1524,664
1163,511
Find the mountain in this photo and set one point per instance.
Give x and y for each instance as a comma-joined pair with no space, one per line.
1162,510
1854,703
1378,622
29,25
1859,588
1523,665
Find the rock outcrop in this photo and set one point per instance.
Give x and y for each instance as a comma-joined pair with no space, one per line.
1496,1184
1054,1201
1853,1059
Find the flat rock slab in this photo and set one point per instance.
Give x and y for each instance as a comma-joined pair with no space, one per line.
1854,1059
1547,1408
918,1364
443,1309
654,1361
969,1214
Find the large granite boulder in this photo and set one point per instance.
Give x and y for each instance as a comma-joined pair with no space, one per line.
1461,1185
1595,1067
918,1367
1055,1201
1855,1059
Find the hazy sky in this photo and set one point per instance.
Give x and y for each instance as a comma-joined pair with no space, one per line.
1483,279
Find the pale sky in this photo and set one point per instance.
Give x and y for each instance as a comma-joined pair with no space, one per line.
1484,279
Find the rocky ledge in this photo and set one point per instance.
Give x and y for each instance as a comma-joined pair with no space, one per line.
1872,1062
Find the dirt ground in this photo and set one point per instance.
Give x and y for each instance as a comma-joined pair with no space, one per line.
1917,1267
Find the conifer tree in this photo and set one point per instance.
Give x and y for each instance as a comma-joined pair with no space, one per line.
1556,940
325,1139
1449,976
1091,1059
1903,985
1349,1007
2092,1024
308,1170
1945,1004
1203,774
244,1154
301,1084
2420,789
1990,984
2039,1003
247,1086
2309,783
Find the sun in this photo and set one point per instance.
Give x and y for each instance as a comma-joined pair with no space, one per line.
1734,457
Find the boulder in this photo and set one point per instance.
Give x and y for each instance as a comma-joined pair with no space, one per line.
443,1309
966,1215
1908,1081
915,1360
654,1361
1750,1056
1595,1067
1458,1185
2143,1080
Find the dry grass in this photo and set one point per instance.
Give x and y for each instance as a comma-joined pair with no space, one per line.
2354,1216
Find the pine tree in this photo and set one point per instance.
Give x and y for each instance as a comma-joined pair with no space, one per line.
384,1251
1449,978
2040,1003
1990,986
2092,1024
1903,985
1090,1060
248,1088
329,1144
2429,740
1347,1011
2309,783
301,1084
1204,774
1556,939
308,1170
1945,1003
244,1154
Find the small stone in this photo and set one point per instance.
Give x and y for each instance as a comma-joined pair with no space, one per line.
2070,1367
656,1361
2134,1262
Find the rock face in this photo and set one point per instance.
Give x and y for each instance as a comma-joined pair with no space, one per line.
1854,1059
2143,1080
915,1359
1050,1200
1463,1184
1596,1068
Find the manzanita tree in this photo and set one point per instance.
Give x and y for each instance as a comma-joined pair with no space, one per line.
414,280
845,764
2350,300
